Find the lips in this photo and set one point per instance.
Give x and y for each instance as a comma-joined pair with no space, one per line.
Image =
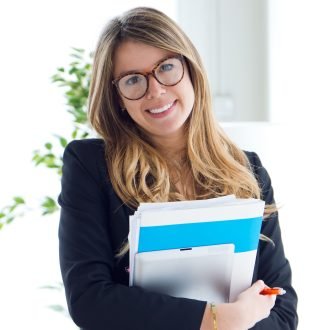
161,109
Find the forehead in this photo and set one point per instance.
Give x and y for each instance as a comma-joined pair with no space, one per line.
137,56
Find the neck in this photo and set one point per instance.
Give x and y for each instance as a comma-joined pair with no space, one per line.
172,147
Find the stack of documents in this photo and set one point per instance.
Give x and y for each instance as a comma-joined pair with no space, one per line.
204,249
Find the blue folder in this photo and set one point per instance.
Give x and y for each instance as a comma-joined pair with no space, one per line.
243,233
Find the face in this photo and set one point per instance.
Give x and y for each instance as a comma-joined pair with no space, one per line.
163,110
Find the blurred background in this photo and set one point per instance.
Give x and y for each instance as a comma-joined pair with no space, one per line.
268,65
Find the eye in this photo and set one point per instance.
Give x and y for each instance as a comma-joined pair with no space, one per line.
166,67
132,80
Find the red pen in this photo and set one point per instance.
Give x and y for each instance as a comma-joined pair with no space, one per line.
276,291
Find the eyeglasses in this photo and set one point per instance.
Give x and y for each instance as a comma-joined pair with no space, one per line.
134,85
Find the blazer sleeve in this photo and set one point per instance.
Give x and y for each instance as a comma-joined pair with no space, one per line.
95,300
272,266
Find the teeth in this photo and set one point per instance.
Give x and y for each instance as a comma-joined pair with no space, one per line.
162,109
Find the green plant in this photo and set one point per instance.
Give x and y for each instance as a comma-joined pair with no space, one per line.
75,80
14,210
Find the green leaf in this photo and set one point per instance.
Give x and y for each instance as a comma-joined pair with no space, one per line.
73,70
2,215
63,142
49,211
52,166
84,136
19,200
50,155
79,57
74,133
79,50
49,206
51,287
57,79
9,220
36,156
48,146
39,160
49,202
57,308
12,208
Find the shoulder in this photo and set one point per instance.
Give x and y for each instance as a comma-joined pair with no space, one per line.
256,166
85,156
254,159
86,147
86,150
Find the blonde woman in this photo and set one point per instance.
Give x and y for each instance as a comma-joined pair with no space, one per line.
150,104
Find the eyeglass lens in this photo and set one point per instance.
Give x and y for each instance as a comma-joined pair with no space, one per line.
168,73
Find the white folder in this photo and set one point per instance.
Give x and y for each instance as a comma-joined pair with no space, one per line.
202,273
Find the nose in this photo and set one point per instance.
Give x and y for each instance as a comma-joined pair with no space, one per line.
155,89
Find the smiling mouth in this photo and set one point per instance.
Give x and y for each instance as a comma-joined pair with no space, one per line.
162,109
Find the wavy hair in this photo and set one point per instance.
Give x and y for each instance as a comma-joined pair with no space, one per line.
137,170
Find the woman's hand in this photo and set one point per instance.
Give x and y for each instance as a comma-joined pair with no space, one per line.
252,307
249,308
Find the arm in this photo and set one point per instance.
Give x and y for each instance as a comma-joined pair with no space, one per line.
273,267
95,300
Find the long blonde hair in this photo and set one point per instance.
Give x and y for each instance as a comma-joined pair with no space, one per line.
137,170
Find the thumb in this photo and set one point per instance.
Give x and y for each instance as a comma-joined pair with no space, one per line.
258,286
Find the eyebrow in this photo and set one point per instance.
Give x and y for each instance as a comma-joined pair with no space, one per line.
124,73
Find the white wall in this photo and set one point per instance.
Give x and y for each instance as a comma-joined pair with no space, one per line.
232,39
299,98
294,146
299,61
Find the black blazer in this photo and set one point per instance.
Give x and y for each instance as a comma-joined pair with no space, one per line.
93,226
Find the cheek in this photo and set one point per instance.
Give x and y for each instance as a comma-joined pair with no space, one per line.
132,109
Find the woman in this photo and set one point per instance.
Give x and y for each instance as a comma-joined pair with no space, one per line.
150,103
